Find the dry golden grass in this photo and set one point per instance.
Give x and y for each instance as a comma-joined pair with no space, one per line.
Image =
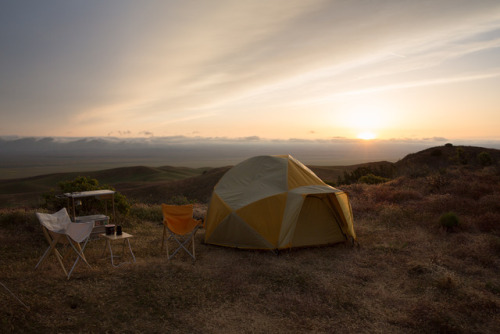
406,276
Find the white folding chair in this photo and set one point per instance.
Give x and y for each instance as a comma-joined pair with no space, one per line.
58,229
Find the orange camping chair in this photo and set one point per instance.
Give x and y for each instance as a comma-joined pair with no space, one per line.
179,224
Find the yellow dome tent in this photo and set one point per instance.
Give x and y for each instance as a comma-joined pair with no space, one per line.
275,202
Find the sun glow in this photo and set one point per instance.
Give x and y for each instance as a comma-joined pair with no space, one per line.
368,120
367,135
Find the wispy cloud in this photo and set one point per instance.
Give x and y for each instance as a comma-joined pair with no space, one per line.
146,133
213,67
430,82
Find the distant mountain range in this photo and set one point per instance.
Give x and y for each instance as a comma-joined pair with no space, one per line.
23,157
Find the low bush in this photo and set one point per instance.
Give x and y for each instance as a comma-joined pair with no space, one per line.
372,179
383,172
484,159
449,220
82,183
179,200
144,212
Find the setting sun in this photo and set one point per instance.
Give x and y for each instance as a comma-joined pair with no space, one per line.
367,135
367,120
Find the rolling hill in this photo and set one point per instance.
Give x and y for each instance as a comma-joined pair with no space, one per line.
27,191
159,184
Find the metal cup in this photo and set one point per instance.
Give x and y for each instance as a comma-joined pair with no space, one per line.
110,229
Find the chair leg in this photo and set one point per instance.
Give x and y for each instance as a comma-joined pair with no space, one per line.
52,244
192,241
182,245
47,252
183,242
52,249
43,257
168,250
163,238
79,251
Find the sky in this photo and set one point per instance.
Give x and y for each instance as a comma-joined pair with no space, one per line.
273,69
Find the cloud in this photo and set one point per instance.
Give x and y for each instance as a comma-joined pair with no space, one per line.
251,138
437,139
96,66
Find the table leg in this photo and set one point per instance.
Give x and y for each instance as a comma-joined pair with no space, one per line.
104,250
111,254
108,245
130,247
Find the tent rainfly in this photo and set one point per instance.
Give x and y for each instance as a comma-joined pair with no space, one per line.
275,202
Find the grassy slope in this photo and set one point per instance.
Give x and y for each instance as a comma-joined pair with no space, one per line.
331,173
27,191
198,188
406,276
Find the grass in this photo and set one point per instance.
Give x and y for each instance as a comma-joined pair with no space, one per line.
407,275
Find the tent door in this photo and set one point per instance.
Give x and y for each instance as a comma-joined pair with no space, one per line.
317,224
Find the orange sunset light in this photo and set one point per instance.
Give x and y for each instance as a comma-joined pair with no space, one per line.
367,135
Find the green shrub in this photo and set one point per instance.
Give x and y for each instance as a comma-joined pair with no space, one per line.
179,200
449,220
372,179
385,171
144,212
82,183
485,159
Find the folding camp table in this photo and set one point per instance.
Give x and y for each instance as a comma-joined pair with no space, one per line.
125,237
99,220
